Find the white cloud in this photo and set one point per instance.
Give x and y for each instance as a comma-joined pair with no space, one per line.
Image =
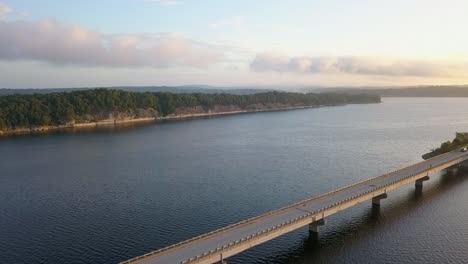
272,62
58,43
4,9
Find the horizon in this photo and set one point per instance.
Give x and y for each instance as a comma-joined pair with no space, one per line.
56,44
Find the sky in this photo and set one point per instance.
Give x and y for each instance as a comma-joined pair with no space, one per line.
91,43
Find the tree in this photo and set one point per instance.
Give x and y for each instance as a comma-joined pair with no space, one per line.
23,111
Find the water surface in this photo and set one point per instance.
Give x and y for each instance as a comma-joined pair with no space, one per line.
107,195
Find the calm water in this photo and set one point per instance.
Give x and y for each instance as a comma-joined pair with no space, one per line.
105,196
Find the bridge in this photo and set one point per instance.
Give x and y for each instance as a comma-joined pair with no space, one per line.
216,246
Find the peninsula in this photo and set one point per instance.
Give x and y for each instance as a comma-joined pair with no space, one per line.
20,114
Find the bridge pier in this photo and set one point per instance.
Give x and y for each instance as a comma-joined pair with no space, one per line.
221,260
314,226
453,170
463,166
419,182
376,199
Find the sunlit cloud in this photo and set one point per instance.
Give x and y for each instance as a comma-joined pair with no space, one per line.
272,62
58,43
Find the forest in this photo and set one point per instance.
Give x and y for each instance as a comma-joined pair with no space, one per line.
460,140
54,109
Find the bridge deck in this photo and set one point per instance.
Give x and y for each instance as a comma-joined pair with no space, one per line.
233,239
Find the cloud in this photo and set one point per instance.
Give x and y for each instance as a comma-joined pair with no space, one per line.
4,9
272,62
58,43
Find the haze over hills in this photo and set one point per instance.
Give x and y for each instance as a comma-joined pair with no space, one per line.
384,91
173,89
412,91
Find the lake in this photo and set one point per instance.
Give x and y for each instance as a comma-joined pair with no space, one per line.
106,195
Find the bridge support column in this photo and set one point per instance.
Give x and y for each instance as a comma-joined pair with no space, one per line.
463,166
453,170
314,226
221,260
376,199
419,182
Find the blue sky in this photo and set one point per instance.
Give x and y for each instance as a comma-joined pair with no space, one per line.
174,42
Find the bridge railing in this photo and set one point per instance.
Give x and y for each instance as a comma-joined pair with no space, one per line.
284,224
276,227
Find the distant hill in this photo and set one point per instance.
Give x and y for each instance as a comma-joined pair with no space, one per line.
411,91
173,89
414,91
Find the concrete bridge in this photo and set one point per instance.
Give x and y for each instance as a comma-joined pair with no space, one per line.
216,246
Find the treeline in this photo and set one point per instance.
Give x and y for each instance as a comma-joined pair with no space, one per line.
26,111
461,139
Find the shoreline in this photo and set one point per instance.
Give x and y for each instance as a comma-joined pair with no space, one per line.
141,120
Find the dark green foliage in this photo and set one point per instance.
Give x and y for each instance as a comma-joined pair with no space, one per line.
23,111
461,139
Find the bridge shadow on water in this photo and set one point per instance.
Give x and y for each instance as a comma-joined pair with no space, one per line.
338,237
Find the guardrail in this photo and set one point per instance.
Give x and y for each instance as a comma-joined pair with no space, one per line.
244,222
274,228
